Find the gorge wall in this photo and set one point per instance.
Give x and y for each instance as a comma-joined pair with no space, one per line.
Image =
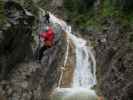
22,77
108,24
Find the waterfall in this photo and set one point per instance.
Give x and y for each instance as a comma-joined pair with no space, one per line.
85,69
84,75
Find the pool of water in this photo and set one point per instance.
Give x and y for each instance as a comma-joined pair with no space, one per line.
73,94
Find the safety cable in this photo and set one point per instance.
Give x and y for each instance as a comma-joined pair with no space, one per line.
65,61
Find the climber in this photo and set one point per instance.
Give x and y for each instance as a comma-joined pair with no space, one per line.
47,17
47,38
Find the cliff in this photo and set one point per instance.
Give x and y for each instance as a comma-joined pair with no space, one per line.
22,77
108,24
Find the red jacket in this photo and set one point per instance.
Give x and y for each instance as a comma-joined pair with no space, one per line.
48,36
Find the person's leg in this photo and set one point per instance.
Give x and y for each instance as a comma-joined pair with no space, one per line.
42,49
47,19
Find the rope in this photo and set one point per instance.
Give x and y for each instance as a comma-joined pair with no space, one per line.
66,55
65,61
42,13
39,30
39,42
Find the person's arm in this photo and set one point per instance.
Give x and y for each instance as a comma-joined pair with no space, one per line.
41,35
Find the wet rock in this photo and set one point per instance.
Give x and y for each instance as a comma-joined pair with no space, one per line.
15,34
68,70
114,60
22,78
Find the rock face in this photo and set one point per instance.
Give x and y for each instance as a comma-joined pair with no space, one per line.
67,78
15,38
114,60
22,78
110,30
111,36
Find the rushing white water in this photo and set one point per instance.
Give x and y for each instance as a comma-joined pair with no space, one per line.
85,69
65,61
73,94
84,75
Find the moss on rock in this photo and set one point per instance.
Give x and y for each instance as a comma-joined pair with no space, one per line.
2,15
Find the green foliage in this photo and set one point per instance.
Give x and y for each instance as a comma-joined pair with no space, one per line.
78,6
109,9
118,8
2,16
126,5
69,6
81,12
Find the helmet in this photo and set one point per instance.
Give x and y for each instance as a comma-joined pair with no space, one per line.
46,28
